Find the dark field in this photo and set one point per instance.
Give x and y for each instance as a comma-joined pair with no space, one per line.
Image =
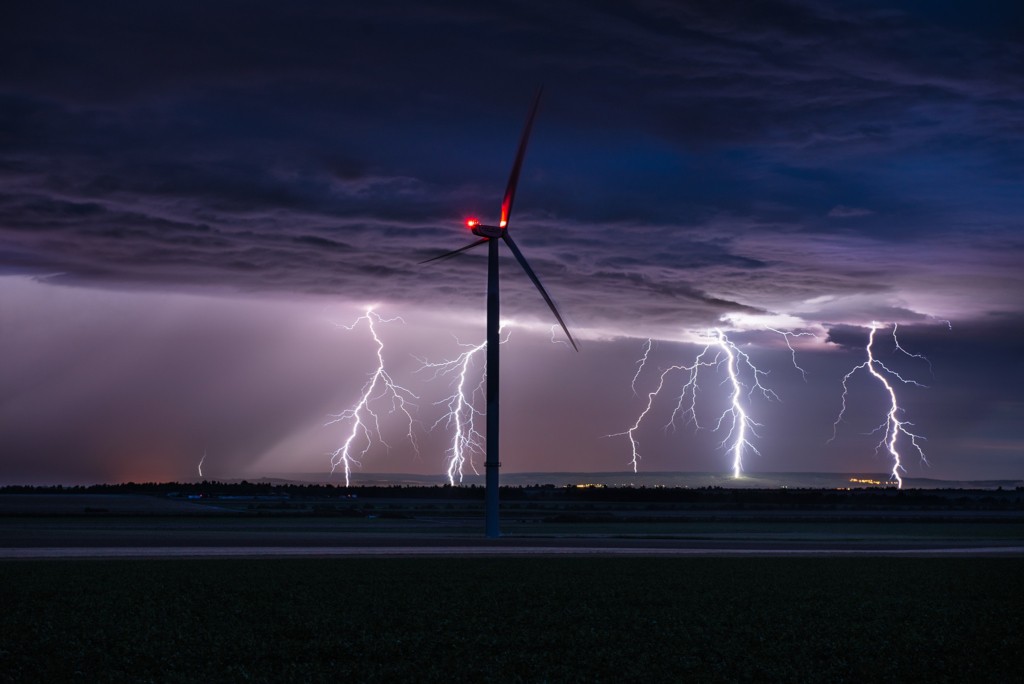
514,619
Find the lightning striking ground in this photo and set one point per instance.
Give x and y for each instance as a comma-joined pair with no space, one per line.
201,464
462,413
892,428
743,378
740,421
363,419
690,386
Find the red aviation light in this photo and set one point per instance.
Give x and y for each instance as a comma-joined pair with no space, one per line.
472,223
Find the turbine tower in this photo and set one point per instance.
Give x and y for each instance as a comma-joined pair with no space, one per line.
489,235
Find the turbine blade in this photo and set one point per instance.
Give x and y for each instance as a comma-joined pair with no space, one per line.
536,281
513,179
449,255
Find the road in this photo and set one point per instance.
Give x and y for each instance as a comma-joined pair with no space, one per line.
171,537
167,552
144,527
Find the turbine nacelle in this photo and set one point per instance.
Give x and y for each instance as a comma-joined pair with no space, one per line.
486,234
485,231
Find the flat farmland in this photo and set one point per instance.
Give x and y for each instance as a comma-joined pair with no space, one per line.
513,619
279,584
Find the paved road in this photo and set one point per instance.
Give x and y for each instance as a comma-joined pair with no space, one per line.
77,552
142,535
326,536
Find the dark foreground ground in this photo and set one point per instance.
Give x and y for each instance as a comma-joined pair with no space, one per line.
392,585
513,619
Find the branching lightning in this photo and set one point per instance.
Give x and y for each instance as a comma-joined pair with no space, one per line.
895,327
363,419
743,378
201,463
892,427
786,334
689,387
740,422
640,365
461,414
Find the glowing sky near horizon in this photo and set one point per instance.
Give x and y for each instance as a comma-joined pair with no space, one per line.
193,197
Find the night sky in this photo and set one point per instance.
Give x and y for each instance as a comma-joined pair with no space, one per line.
196,197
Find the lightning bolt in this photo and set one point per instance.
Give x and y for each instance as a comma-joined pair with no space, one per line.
895,327
640,365
739,420
555,337
892,427
461,414
363,419
743,378
786,334
201,463
690,386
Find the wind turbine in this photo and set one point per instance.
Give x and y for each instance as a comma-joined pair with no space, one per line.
490,235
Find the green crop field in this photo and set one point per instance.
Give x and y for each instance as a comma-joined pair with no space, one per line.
513,619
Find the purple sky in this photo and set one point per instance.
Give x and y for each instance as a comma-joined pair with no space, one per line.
196,196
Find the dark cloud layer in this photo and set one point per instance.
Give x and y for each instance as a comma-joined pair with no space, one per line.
832,163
